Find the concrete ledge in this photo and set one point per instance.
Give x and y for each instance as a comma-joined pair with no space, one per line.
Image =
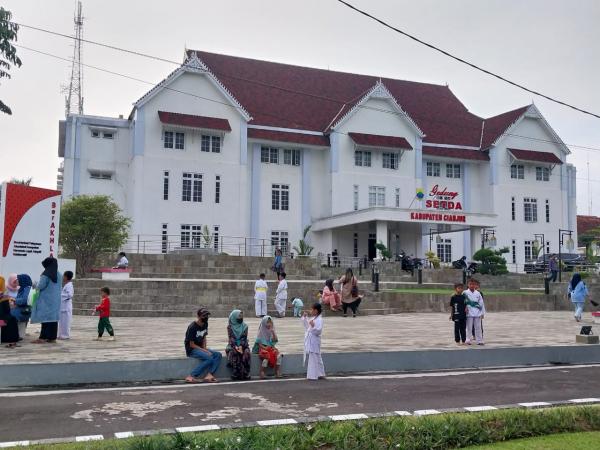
19,375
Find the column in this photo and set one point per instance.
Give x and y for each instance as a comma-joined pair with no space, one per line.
306,168
255,197
334,162
475,239
243,142
381,231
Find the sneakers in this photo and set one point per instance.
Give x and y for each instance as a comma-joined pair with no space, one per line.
99,338
112,338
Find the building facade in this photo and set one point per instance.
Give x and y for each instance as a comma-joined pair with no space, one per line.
243,155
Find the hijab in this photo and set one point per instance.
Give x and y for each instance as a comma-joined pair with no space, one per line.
575,280
50,268
24,283
265,336
238,328
12,284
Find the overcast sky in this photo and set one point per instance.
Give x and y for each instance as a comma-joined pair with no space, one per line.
552,46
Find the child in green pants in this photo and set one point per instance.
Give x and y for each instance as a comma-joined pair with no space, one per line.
104,312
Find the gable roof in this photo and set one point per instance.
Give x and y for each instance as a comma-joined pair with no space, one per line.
458,153
495,126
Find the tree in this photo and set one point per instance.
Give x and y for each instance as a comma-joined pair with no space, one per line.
433,259
25,181
8,52
303,248
386,254
492,261
90,226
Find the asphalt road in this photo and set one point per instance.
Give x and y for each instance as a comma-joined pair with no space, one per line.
81,412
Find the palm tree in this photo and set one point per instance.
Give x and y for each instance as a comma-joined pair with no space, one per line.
303,248
25,181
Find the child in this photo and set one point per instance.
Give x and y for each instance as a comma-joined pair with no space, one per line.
264,346
66,307
478,287
475,311
281,295
459,314
298,305
104,309
312,343
260,296
123,262
330,296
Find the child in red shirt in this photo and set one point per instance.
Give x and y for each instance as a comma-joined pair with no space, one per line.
104,312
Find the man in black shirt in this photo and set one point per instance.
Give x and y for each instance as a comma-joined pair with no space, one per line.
195,347
459,314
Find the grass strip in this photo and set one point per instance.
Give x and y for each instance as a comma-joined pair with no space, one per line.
450,292
570,441
443,431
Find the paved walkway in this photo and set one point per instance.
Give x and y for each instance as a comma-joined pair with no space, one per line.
154,338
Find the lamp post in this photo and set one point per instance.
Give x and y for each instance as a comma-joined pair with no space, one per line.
433,231
543,244
570,245
488,235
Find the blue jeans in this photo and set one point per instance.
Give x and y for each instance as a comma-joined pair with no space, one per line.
209,362
578,309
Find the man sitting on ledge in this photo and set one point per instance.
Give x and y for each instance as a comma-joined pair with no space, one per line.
123,261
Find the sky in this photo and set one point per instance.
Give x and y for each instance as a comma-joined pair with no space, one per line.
551,46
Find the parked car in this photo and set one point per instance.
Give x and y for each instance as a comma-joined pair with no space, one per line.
571,262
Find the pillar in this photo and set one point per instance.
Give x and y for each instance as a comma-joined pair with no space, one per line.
381,231
255,197
306,170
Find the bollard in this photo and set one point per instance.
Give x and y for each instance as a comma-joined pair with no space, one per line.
547,286
377,282
464,277
359,268
372,273
328,260
420,276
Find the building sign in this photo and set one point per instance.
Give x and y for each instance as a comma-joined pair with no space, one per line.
437,217
442,198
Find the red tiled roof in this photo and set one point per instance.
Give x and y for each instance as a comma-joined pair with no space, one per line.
188,120
532,155
376,140
459,153
296,138
495,126
587,223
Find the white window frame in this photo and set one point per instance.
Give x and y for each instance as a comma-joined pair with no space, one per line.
217,188
444,250
194,180
433,169
98,175
397,197
95,134
280,239
390,160
269,155
216,237
280,197
530,210
453,170
165,238
528,249
355,197
542,173
514,251
362,158
291,156
108,135
513,209
376,196
517,171
547,211
190,236
166,185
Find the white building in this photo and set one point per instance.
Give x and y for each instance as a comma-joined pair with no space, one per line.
256,151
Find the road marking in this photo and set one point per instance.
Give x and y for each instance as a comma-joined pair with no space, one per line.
124,435
92,437
403,413
14,444
268,423
585,400
397,376
534,404
480,408
426,412
349,417
197,428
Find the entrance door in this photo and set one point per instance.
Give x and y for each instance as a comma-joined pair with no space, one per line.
372,250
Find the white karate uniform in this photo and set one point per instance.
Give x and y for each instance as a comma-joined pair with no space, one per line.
474,314
123,263
66,311
312,347
281,297
260,297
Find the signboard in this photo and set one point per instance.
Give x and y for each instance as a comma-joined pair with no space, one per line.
442,198
30,220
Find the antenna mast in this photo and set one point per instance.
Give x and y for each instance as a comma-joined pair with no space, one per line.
74,97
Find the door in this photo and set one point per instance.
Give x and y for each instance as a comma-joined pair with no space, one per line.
372,250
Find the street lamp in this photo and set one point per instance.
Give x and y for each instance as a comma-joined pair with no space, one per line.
488,236
568,243
438,238
541,242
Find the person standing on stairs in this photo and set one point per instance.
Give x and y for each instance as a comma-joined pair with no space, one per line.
260,296
281,295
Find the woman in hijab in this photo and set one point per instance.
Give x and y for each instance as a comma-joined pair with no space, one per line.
577,292
22,311
264,346
12,285
9,331
46,309
238,351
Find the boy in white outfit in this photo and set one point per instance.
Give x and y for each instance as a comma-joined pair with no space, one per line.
475,312
260,296
281,295
313,327
66,306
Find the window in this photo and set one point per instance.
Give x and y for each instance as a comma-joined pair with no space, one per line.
433,169
218,189
179,141
517,172
269,155
168,139
444,250
397,197
100,176
172,139
216,237
547,247
528,251
192,187
453,170
291,157
191,236
355,246
362,158
108,135
376,196
355,199
514,251
390,161
530,209
542,173
280,239
165,238
513,211
166,185
280,197
210,143
95,134
547,211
